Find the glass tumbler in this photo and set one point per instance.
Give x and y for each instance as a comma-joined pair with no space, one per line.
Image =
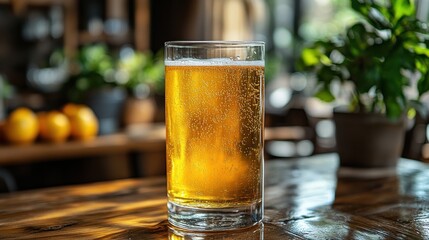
214,120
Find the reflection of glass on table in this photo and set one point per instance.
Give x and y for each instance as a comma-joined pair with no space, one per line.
253,233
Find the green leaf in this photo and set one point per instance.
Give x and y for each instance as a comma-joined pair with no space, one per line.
370,78
375,14
423,84
422,64
394,108
398,58
325,60
378,19
326,74
411,29
325,95
310,56
419,107
314,56
402,8
420,49
392,81
356,36
360,7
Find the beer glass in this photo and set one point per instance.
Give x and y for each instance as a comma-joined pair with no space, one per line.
214,98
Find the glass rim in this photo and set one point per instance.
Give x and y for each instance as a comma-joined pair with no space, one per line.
213,44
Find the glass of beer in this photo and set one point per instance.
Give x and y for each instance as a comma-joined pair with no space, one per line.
214,99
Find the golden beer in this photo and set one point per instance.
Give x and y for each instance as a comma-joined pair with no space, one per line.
214,101
214,120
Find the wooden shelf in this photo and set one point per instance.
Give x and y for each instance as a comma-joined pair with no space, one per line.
139,36
138,138
144,138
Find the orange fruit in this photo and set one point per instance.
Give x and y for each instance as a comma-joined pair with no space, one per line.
70,109
54,126
21,126
83,122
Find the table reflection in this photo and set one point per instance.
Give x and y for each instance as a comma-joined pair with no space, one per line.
304,199
253,233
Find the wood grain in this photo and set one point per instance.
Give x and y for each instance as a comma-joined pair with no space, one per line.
304,199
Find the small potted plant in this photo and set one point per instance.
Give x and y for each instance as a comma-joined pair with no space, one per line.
145,73
96,84
117,88
382,62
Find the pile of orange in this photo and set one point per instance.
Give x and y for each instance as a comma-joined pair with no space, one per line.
83,122
23,126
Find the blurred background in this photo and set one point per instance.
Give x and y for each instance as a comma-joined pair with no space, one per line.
99,63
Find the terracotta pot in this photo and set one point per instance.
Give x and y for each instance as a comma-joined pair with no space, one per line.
139,110
367,140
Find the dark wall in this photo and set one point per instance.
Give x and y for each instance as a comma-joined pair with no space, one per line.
13,49
174,20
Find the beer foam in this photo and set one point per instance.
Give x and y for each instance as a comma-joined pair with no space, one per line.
213,62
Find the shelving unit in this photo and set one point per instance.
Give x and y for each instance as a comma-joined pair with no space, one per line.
73,38
146,152
142,146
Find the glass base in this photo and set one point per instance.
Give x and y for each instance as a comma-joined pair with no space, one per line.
209,219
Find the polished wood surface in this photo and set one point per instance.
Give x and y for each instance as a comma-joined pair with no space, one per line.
304,199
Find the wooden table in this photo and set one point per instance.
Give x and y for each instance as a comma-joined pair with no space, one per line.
304,199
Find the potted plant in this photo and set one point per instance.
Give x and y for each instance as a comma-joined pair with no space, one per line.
380,65
96,84
117,88
145,73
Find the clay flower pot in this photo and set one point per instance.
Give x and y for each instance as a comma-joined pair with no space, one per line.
367,140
